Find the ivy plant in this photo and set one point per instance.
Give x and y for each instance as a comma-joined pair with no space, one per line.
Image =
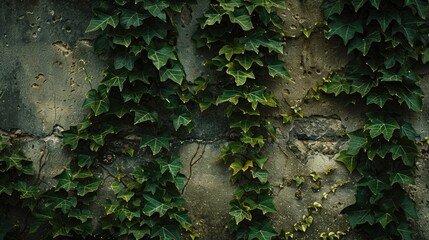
387,41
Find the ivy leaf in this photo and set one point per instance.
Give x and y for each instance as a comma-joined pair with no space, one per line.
242,18
405,231
172,167
176,73
142,115
360,217
425,56
155,143
344,28
350,161
375,3
384,219
130,18
402,177
230,50
338,84
244,124
122,40
167,233
260,174
156,7
408,131
101,21
364,44
357,4
99,136
214,15
381,126
123,60
413,97
160,56
179,120
239,75
115,80
182,218
378,98
65,181
420,5
384,18
249,139
154,30
266,205
409,207
238,213
99,104
247,60
408,27
236,166
82,215
362,86
357,141
263,232
111,207
277,68
88,188
231,96
6,189
374,184
14,161
331,7
407,152
25,190
154,206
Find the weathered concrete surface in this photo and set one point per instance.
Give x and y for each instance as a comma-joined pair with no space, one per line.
41,83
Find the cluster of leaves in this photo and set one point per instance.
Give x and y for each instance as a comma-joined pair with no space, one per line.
139,95
17,196
387,40
245,38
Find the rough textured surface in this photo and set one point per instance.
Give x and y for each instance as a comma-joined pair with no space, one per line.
42,87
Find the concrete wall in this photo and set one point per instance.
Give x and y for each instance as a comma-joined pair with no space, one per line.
42,87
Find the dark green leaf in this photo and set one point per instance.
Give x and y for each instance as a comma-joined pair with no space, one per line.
25,190
179,120
242,18
160,56
362,86
248,59
156,7
357,141
408,131
82,215
384,219
420,5
277,68
154,30
344,28
88,188
214,15
65,181
375,3
244,124
239,74
130,18
123,60
407,152
357,4
364,44
99,104
172,166
167,233
402,177
175,74
374,184
384,18
266,205
382,126
331,7
101,21
338,84
360,217
230,50
409,207
405,231
155,206
229,96
122,40
379,98
413,97
263,232
260,174
142,115
238,213
182,218
155,143
350,161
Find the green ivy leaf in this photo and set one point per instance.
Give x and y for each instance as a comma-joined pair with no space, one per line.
99,136
25,190
238,213
384,18
378,98
344,28
179,120
154,206
65,181
337,84
242,18
142,115
405,231
156,7
130,18
236,166
375,3
374,184
248,138
350,161
167,233
331,7
230,50
247,60
6,189
408,131
244,124
111,207
98,103
88,188
122,40
182,218
213,15
123,60
360,217
266,204
160,56
101,21
420,5
362,86
408,27
239,74
384,219
173,167
154,30
425,56
175,74
364,44
413,97
357,4
402,177
277,68
407,152
231,96
381,126
409,206
357,141
263,232
155,143
260,174
82,215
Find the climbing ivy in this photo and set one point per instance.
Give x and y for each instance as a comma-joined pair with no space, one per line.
386,40
245,39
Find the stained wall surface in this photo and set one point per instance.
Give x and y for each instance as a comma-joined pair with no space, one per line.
46,57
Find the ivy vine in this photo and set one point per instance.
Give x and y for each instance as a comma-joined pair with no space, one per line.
387,40
245,38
